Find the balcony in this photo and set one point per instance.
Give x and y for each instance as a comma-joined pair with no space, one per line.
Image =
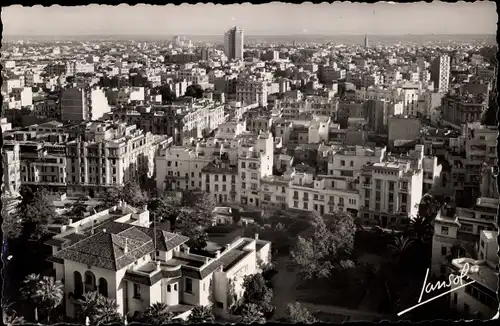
403,190
367,186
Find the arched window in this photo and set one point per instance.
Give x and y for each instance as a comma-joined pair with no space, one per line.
103,287
168,288
78,284
90,285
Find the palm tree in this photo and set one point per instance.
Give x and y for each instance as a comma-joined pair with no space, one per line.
106,311
399,246
50,294
29,291
158,314
421,228
88,303
12,319
251,314
201,315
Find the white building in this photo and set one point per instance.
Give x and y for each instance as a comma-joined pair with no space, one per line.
478,300
117,253
390,192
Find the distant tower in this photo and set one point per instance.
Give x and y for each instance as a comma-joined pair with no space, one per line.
366,41
233,43
440,73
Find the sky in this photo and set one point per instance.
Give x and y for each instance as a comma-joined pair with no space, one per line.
339,18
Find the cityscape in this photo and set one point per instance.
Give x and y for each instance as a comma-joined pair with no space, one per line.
251,166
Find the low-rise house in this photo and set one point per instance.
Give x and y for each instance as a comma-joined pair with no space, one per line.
119,254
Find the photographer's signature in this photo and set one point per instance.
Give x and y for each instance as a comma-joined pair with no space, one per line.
428,288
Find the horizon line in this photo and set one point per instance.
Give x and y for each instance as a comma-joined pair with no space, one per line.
256,34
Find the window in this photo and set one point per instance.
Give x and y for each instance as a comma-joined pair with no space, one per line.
342,163
169,288
378,183
296,204
305,206
352,163
444,230
137,291
333,184
243,165
443,251
189,286
216,177
175,287
482,244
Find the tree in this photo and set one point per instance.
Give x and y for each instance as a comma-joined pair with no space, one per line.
201,315
251,314
133,194
197,237
111,197
106,312
166,208
11,318
257,292
37,215
79,207
99,309
421,228
328,247
399,247
12,227
195,91
50,294
29,291
158,314
429,207
297,314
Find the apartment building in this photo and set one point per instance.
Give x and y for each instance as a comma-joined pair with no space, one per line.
440,73
390,192
432,173
117,253
182,121
11,160
255,160
220,179
107,154
252,91
274,192
479,299
465,108
181,167
322,194
74,105
348,161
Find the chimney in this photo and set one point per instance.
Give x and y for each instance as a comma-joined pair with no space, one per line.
217,254
256,236
125,249
187,250
104,230
145,207
228,246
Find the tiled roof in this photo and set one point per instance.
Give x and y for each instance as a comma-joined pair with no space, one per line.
201,274
107,249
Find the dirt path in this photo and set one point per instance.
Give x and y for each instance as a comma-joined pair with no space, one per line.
284,284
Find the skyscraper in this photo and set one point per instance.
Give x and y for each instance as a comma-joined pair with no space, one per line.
440,73
233,43
366,41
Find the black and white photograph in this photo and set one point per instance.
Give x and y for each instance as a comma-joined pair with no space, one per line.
249,163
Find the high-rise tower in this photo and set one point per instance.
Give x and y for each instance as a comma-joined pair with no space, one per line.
233,43
366,41
440,73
